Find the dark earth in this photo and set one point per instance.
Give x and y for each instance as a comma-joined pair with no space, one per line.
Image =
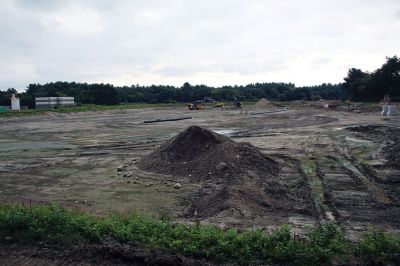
99,255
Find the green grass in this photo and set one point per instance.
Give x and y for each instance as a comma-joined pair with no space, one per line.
369,104
90,107
22,113
309,168
324,244
94,107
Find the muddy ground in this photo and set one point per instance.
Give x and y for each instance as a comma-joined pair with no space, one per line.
334,166
107,254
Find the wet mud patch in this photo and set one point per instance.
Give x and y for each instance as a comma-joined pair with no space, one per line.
389,136
385,172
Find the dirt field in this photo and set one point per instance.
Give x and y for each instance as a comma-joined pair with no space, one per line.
334,165
108,254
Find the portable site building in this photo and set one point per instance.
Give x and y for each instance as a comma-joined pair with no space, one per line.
51,102
15,103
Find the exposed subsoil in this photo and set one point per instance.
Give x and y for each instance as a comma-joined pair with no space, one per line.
256,196
85,161
240,181
390,136
361,204
386,175
351,200
201,154
99,255
393,149
264,103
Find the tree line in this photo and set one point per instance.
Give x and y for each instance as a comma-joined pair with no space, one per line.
357,85
373,86
107,94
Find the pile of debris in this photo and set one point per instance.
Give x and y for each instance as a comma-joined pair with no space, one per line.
237,181
201,154
264,103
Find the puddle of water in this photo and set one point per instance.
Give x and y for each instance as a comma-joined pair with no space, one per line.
338,128
330,216
171,135
227,132
324,116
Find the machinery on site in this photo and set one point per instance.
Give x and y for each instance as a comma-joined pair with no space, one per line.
215,103
236,102
199,104
196,105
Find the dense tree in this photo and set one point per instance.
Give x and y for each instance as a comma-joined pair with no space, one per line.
363,86
108,94
386,80
358,85
5,96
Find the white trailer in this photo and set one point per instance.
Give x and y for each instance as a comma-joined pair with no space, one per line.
52,102
15,103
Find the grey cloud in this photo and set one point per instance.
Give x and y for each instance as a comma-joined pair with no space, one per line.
178,70
397,15
242,67
170,41
39,4
321,60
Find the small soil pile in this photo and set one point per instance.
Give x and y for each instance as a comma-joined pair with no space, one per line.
200,154
264,103
298,103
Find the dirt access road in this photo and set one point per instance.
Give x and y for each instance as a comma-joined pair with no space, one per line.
334,165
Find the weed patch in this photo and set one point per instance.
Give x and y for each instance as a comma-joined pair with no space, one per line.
324,244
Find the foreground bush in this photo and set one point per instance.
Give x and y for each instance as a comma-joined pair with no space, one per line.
324,244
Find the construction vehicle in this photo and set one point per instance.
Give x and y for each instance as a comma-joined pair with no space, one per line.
199,104
196,105
236,102
216,104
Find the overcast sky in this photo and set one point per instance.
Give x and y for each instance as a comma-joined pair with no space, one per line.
213,42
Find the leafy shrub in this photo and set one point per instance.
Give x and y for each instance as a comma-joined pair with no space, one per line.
377,246
48,223
324,244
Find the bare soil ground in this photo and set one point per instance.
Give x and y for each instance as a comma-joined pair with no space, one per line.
202,154
106,254
333,166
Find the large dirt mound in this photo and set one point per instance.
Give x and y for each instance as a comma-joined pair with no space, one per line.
239,184
199,153
264,103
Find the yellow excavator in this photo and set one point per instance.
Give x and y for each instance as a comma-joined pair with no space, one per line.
215,103
196,105
199,105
